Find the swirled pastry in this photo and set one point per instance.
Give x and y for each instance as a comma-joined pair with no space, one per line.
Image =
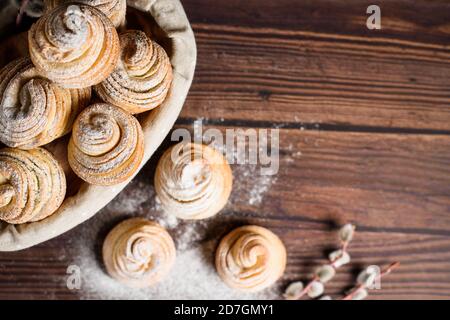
115,10
250,258
32,185
107,145
142,77
34,111
74,45
138,253
193,181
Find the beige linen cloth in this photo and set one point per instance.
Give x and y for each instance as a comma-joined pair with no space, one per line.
170,16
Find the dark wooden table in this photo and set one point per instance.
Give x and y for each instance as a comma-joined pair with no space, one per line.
364,119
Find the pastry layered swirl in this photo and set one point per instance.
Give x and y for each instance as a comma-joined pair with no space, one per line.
32,185
142,77
250,258
138,253
74,45
193,181
115,10
107,145
34,111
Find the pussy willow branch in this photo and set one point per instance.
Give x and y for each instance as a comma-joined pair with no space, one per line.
306,288
344,246
362,286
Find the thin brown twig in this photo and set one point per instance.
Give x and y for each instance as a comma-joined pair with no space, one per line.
344,246
306,288
362,286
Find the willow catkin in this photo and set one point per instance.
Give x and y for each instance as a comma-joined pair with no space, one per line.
74,45
34,111
115,10
32,185
250,258
107,145
138,253
142,78
193,181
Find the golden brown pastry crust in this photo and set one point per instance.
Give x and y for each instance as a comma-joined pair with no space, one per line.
142,77
74,45
34,111
193,181
107,145
250,258
138,253
32,185
115,10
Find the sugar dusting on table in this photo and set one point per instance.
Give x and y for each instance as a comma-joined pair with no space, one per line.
249,187
193,275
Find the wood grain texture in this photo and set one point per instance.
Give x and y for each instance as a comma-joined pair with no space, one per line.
364,119
316,62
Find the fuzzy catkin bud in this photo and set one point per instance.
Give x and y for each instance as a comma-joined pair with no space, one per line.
339,258
346,232
360,295
316,289
325,273
367,277
293,290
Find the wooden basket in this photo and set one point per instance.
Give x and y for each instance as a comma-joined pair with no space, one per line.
174,30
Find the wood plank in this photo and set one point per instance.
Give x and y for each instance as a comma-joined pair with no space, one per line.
364,133
423,273
422,21
384,181
393,187
316,62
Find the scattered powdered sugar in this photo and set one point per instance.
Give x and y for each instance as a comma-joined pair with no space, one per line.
135,197
259,189
193,275
249,186
168,221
